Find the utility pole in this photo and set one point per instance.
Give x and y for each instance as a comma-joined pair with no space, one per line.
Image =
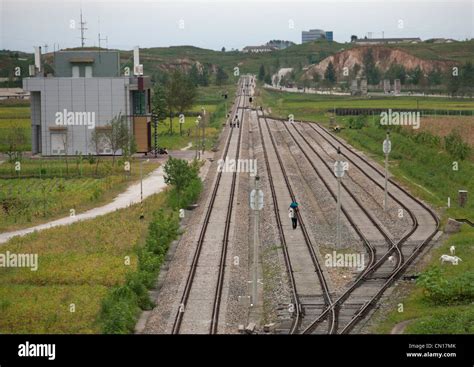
196,138
83,28
154,118
338,172
386,147
203,122
256,204
142,212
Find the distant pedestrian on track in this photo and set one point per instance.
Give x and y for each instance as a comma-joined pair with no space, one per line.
293,216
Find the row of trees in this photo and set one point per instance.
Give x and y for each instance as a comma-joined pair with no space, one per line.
176,95
458,80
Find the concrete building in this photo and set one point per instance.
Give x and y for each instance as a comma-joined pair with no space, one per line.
312,35
259,49
381,41
329,36
88,89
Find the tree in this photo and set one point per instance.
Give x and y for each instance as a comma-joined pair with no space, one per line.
223,49
180,94
371,72
396,71
467,78
221,76
435,77
261,73
194,75
204,76
416,75
330,74
97,143
159,106
353,38
14,142
179,174
268,79
118,136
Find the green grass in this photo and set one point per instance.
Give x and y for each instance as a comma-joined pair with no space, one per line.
306,106
27,201
429,318
78,264
211,99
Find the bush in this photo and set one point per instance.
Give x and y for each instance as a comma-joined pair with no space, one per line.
358,123
121,307
455,146
443,290
119,311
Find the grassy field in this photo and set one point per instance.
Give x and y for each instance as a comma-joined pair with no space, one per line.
44,191
429,317
211,99
78,264
304,106
426,170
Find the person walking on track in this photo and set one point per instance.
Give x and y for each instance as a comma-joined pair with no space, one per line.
293,217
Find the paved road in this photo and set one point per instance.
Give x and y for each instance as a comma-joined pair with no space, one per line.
152,184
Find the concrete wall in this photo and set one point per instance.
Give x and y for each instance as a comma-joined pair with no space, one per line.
105,63
105,97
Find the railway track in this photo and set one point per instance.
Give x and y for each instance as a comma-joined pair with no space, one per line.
362,294
310,290
196,313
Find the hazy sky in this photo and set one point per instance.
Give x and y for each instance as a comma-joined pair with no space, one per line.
213,24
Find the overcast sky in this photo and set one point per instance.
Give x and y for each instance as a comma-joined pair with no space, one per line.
213,24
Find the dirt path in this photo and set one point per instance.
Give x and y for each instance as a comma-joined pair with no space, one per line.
152,184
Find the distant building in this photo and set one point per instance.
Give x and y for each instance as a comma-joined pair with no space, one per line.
380,41
13,93
329,36
440,40
279,44
258,49
87,90
312,35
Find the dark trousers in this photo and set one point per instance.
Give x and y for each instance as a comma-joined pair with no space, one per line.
294,221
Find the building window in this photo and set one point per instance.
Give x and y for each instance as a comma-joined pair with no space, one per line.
139,105
75,71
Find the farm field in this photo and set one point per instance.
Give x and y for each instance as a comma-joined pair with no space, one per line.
48,189
77,265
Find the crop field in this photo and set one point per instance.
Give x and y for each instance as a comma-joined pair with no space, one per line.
48,189
443,125
305,105
77,266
